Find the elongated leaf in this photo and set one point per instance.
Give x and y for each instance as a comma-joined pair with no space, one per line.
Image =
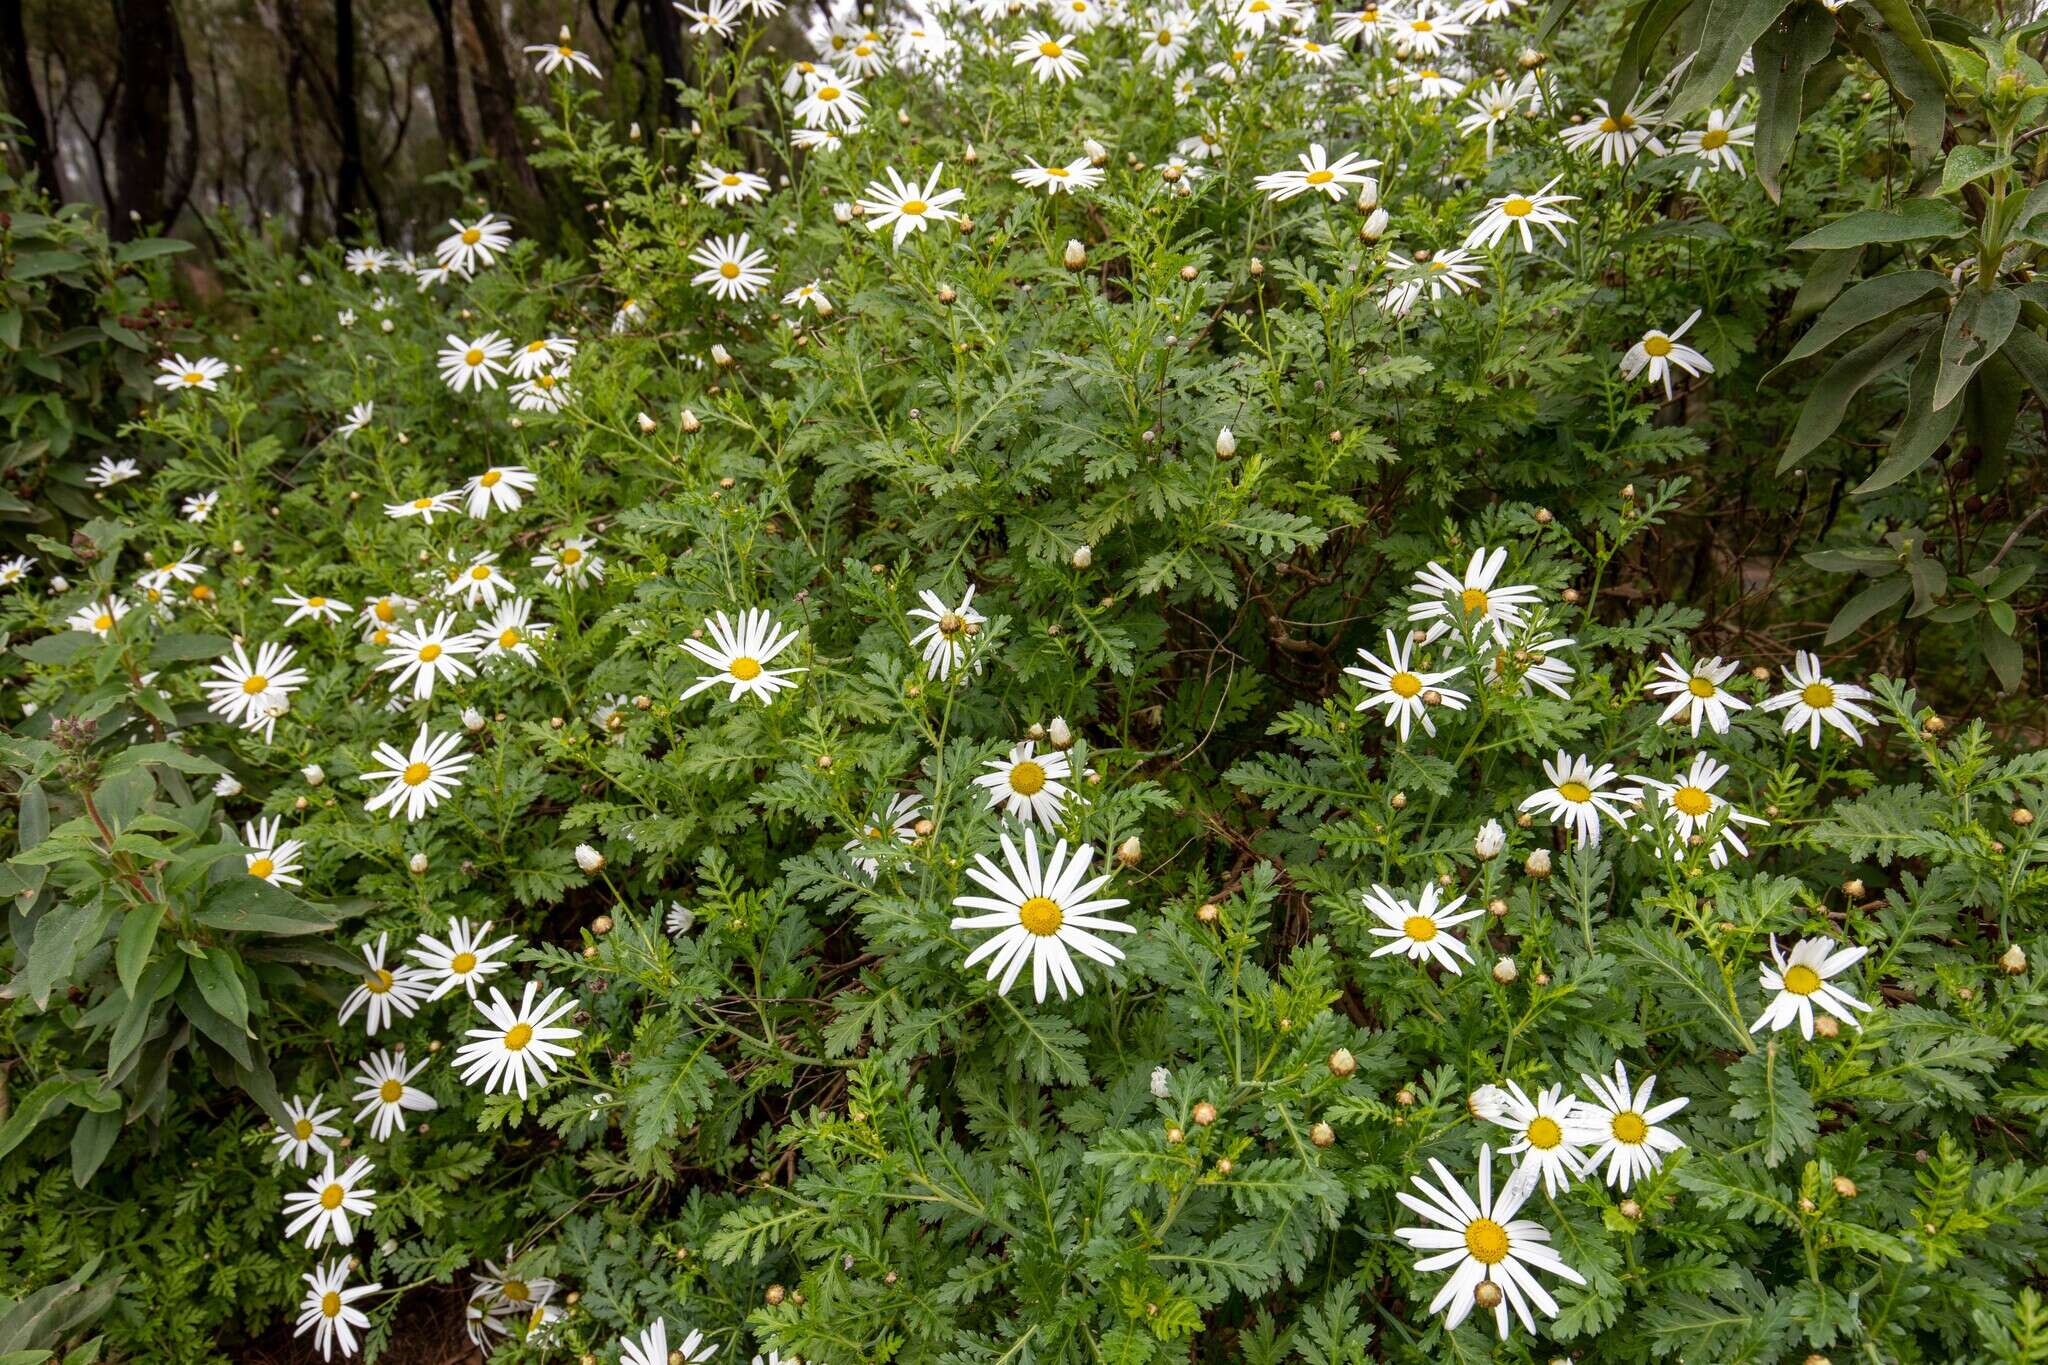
1913,220
1881,596
1863,303
1924,429
1644,35
2027,353
1731,28
1968,163
249,905
1846,378
1785,55
220,982
60,648
1977,326
132,944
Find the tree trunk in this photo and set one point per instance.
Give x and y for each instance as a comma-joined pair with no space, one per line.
18,81
348,191
142,113
497,99
664,30
446,86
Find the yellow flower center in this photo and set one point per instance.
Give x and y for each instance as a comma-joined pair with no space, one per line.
422,504
1713,139
730,270
303,1130
1487,1241
1421,928
378,982
1048,49
380,637
1473,599
391,1091
416,773
1518,207
202,593
1165,37
952,623
331,1197
518,1036
261,867
746,668
572,555
1404,684
473,356
1060,172
1041,916
480,572
462,963
1543,1133
1818,695
1027,778
104,621
515,1291
492,477
728,179
913,207
194,377
509,638
470,236
429,653
384,611
254,684
1659,345
1575,791
828,92
566,51
1801,979
316,601
1699,686
1320,177
1630,1127
1692,801
330,1304
1422,26
546,381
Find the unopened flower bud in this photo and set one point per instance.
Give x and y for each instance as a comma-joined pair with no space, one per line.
1224,1165
719,355
1375,226
1824,1026
1844,1186
1342,1063
2022,817
472,719
589,859
418,864
1082,557
1486,1294
1504,971
1096,153
1322,1135
1129,851
1208,913
1205,1114
1631,1210
1076,256
1854,888
1226,443
1490,840
2013,960
1538,864
1176,1136
647,424
842,212
1058,735
690,422
314,774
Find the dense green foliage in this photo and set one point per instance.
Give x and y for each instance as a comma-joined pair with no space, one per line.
792,1118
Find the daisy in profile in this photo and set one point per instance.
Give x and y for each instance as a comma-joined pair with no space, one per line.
560,56
1477,600
197,508
474,244
418,781
461,960
1045,915
1517,213
308,1132
510,633
818,139
480,580
383,992
1542,1129
803,75
1309,52
834,103
1050,57
906,205
1621,1126
740,653
358,417
1577,797
811,296
1816,699
680,919
1450,271
1166,35
1537,662
652,1348
1660,353
521,1046
1697,693
12,571
1615,137
269,858
1495,1254
424,508
628,314
325,610
327,1311
254,695
425,655
323,1208
1492,105
944,639
1362,24
1804,980
388,1094
718,18
1688,803
1407,692
1028,786
898,822
1428,34
1419,930
1720,144
1253,18
185,376
1075,175
1077,16
1318,173
721,187
98,617
368,260
501,488
547,391
473,364
731,271
110,471
570,563
541,354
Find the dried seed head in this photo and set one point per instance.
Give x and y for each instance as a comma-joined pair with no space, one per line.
1486,1294
1205,1114
2013,960
1223,1166
1208,914
1854,889
1322,1135
1844,1186
1342,1063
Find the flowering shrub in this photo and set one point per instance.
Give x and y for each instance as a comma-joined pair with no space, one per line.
1119,711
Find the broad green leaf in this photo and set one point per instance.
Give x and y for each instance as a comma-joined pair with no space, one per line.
250,905
1978,325
60,648
149,248
1730,29
178,648
91,1140
1968,163
1922,431
1862,303
1880,596
33,265
1846,378
1913,220
220,981
1785,55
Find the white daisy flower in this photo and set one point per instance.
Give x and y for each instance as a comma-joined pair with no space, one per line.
810,296
359,417
197,508
425,655
1051,57
184,375
1450,271
1492,105
1362,24
1428,85
907,205
328,1310
1427,34
1534,663
1543,1133
1317,173
721,187
559,56
110,471
501,488
652,1348
1718,145
522,1046
308,1132
1075,175
268,857
572,562
1804,980
1309,52
1029,786
542,353
418,781
741,652
1406,691
323,1208
480,580
898,822
502,1293
510,633
1577,797
1496,1254
1660,353
254,695
383,991
817,139
731,271
1816,699
314,608
1689,804
1045,915
1478,599
832,104
473,364
1254,17
944,640
1621,1126
1697,693
1616,137
1517,212
547,391
680,919
388,1094
424,508
98,617
717,17
474,244
367,260
1419,930
12,571
1166,35
463,959
380,616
